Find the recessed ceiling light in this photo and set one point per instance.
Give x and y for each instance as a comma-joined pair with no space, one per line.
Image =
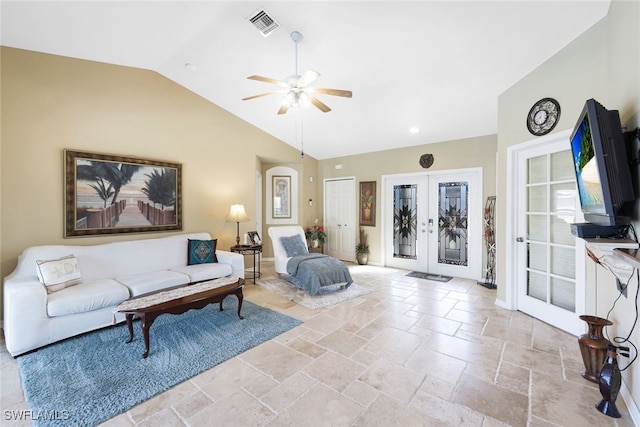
414,129
189,66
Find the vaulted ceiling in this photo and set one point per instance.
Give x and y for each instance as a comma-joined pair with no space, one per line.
436,65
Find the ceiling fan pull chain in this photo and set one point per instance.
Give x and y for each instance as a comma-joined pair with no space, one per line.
301,136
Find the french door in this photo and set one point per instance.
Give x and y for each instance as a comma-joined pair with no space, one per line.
549,260
433,223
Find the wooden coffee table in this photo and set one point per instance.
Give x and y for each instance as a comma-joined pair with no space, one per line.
177,300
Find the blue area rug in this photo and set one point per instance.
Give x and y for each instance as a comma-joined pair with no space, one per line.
89,379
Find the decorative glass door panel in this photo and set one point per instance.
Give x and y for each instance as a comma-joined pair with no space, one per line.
405,221
453,202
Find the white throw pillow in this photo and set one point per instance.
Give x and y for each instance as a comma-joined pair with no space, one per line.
57,274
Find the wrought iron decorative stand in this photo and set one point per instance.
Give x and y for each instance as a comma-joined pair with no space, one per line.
490,243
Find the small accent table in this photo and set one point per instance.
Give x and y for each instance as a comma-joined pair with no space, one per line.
256,252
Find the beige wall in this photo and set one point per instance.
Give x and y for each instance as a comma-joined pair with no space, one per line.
603,63
465,153
50,103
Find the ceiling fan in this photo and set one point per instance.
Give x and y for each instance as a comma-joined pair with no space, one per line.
296,90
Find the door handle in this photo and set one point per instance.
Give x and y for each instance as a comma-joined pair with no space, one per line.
520,239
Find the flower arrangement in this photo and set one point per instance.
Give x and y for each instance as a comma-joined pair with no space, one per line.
316,232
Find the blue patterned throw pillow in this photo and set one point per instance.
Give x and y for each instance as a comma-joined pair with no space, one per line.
294,246
201,251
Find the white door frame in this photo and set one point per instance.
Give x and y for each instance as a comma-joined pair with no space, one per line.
512,216
474,236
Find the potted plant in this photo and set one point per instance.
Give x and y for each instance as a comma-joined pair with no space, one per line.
362,249
315,235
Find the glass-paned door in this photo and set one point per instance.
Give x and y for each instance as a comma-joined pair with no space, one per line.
548,263
455,224
432,223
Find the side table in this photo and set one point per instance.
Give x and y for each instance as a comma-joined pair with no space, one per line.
256,252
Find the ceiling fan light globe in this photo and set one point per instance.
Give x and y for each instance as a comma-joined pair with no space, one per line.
291,96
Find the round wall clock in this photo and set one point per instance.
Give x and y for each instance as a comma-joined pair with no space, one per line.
543,116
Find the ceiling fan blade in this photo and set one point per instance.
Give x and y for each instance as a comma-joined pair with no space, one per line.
283,109
307,78
322,106
269,80
258,96
334,92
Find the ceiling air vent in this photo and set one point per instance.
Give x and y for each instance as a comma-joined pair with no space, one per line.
263,22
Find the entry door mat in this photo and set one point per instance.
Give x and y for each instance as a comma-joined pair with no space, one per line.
429,276
88,379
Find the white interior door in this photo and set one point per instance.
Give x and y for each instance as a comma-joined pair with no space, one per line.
339,218
549,260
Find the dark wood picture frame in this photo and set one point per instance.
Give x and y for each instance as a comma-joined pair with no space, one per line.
109,194
368,203
254,238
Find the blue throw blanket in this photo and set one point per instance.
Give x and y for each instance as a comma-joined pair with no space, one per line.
313,271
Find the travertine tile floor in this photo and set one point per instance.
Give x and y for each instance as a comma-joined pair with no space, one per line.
411,353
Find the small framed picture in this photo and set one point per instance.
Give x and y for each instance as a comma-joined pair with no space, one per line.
254,238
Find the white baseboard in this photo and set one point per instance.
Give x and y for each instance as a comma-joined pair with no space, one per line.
634,413
503,304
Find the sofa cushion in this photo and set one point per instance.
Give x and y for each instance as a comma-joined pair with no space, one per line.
201,251
294,245
57,274
200,272
152,281
87,296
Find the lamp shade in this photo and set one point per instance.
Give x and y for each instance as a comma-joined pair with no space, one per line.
237,214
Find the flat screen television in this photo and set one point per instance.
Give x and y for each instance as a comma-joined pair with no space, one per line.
601,164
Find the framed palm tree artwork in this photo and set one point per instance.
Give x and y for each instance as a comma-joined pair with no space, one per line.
109,194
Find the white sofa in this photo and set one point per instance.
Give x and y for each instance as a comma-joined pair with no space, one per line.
110,274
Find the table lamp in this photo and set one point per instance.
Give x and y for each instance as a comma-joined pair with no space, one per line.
237,214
